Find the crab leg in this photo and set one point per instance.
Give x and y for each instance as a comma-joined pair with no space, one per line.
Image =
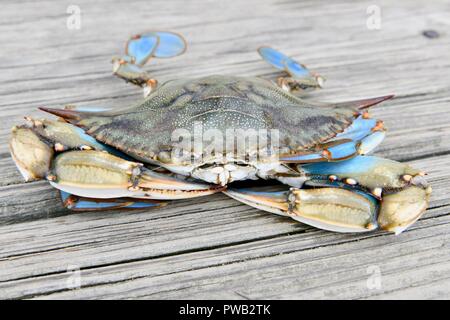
361,137
31,155
96,174
300,79
139,49
125,69
76,203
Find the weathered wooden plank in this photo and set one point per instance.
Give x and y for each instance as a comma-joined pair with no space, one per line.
214,247
282,267
81,63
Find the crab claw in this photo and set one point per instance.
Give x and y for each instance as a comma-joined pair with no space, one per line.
97,174
31,155
331,209
402,190
399,210
370,191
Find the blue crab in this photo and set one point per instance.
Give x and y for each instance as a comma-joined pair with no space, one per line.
141,155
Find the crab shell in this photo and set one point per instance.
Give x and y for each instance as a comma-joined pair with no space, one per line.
234,109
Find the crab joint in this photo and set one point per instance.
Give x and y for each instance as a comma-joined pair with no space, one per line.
51,177
291,200
407,177
379,126
377,192
149,86
284,84
320,80
332,177
350,181
59,147
327,154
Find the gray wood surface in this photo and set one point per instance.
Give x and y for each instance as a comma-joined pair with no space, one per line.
215,247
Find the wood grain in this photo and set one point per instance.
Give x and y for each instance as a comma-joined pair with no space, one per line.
215,247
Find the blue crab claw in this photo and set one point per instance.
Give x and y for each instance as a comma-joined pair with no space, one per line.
158,44
401,209
402,190
330,209
31,155
97,174
76,203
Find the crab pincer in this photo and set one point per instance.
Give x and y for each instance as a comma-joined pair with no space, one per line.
355,195
330,209
88,172
97,174
30,153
